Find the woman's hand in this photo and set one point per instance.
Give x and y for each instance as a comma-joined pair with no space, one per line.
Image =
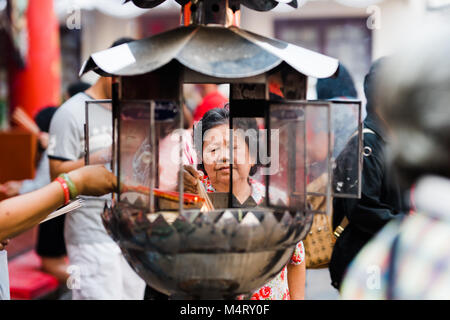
11,188
93,180
102,156
3,244
43,140
191,179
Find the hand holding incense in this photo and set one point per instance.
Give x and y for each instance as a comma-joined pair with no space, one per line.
24,120
188,198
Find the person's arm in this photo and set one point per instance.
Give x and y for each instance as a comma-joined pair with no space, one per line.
191,179
3,244
59,166
296,273
296,280
11,188
23,212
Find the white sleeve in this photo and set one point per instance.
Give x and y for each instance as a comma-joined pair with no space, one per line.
4,278
64,137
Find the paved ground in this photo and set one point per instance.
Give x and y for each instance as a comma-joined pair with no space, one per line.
318,285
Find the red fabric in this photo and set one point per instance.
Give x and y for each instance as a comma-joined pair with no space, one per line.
210,101
275,88
39,84
26,281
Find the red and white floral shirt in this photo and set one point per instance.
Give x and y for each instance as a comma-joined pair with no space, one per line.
277,288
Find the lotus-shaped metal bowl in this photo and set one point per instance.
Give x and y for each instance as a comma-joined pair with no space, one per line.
206,255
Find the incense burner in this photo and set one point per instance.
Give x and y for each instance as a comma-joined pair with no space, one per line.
180,248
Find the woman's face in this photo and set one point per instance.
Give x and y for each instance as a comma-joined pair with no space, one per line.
216,157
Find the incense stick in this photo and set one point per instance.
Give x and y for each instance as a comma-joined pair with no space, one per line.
188,198
202,192
73,205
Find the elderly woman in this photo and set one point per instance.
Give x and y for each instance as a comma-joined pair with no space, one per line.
214,173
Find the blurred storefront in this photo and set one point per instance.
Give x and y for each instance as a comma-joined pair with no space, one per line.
354,31
29,77
99,23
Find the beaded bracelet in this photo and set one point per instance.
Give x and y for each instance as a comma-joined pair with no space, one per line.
65,188
72,188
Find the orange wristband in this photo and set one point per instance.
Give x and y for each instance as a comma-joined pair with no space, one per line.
65,188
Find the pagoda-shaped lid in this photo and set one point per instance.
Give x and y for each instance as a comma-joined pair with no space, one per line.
258,5
209,50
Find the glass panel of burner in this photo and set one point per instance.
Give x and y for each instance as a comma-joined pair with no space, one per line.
98,137
150,154
169,142
115,149
318,151
98,132
249,156
136,154
346,148
286,172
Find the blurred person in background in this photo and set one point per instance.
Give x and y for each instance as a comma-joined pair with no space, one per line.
410,258
340,87
382,199
50,241
75,88
104,272
211,98
15,187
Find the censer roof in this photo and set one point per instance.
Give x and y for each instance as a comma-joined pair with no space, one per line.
258,5
214,51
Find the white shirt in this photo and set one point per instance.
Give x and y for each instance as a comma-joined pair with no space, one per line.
4,276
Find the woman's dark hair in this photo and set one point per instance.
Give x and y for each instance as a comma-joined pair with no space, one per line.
370,84
216,117
341,86
44,117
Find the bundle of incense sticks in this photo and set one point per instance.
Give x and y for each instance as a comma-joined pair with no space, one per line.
24,120
188,198
65,209
204,194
